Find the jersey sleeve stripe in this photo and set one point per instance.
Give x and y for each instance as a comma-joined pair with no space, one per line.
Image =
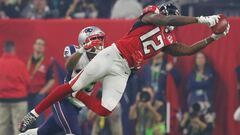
72,49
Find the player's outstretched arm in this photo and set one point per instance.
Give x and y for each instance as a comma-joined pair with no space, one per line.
72,60
181,49
174,20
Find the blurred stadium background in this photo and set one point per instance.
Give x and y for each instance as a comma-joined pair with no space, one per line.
183,85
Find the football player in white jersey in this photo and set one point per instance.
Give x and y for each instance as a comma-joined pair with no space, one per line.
65,112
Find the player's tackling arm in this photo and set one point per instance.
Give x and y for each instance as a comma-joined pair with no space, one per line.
71,60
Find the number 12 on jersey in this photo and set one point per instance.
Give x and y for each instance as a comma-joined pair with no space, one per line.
150,42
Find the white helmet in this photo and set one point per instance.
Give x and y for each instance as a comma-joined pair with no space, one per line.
91,33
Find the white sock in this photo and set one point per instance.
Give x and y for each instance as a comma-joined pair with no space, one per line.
34,113
30,132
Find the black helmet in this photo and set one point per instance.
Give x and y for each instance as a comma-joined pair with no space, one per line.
169,9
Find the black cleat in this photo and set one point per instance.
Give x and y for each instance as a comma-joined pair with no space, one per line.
27,122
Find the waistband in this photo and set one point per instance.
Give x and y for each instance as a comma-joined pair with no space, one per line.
122,56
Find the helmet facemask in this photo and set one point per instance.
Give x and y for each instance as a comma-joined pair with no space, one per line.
169,9
92,36
99,38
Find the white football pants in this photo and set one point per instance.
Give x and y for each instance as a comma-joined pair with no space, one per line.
236,115
112,69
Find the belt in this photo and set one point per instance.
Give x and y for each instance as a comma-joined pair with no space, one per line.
122,56
129,65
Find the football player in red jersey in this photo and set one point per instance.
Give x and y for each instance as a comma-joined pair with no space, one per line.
150,34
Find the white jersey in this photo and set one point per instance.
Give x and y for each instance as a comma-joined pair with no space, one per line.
83,61
81,64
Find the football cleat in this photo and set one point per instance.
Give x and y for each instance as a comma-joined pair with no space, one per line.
27,121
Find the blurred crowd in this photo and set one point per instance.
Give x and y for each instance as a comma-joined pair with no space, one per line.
143,108
44,9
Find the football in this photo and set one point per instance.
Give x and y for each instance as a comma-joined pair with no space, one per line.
221,26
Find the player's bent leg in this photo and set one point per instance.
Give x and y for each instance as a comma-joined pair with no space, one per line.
88,75
236,115
49,127
77,83
57,94
113,89
112,93
96,69
92,103
114,84
67,117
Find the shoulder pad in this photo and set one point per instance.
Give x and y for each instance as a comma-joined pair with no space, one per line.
69,50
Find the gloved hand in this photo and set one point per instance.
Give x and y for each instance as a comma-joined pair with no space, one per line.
218,36
92,44
209,20
89,46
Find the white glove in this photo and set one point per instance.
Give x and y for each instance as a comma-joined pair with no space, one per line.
217,36
209,20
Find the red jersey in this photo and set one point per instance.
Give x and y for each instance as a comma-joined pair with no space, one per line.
146,38
14,79
40,71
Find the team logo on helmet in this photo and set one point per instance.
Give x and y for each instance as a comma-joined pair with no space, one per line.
88,30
